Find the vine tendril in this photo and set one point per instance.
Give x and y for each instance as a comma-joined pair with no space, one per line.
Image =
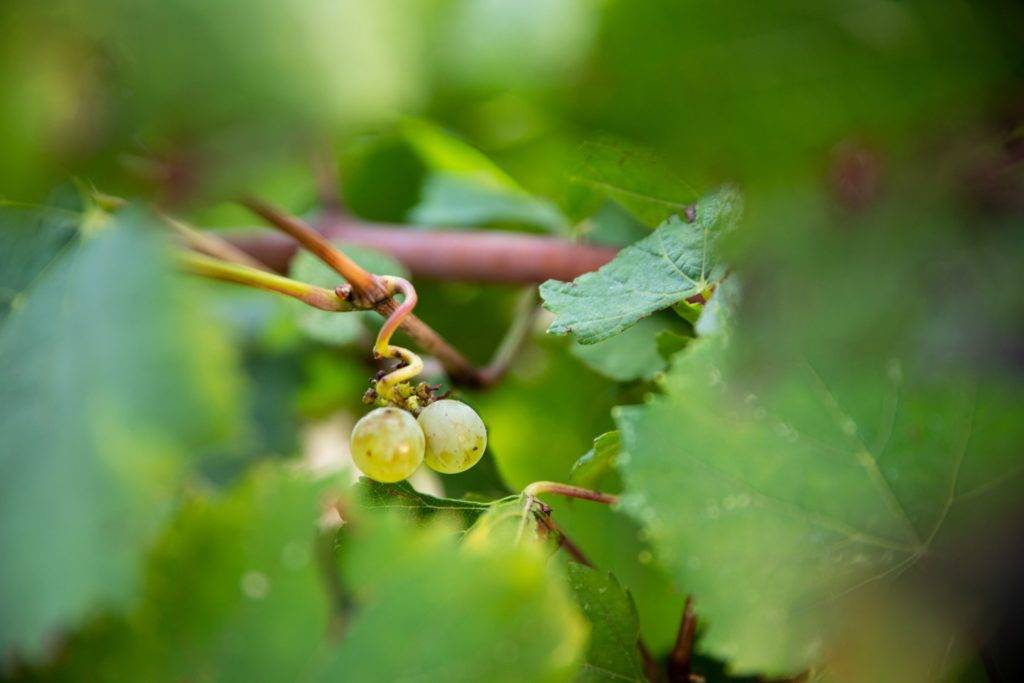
382,348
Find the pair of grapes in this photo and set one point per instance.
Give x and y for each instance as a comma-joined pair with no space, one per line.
388,444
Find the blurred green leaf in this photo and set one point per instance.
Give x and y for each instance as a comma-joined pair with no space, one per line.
447,154
821,483
271,405
49,105
233,590
112,375
339,329
452,201
492,47
633,354
670,343
594,465
634,178
611,224
465,188
506,524
612,654
677,261
382,177
30,240
419,172
763,88
356,62
271,420
459,613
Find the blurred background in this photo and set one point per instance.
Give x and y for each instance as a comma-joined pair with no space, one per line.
878,142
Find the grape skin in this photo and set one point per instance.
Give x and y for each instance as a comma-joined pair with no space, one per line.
387,445
455,434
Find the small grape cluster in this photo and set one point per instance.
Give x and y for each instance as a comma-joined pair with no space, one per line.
389,444
412,425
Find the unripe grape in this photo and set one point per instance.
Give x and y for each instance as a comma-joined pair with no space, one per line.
387,444
456,436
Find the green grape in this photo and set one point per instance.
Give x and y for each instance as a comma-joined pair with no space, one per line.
456,436
387,444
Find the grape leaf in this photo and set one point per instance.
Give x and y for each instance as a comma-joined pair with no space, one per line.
635,179
677,261
402,496
432,610
112,373
773,505
612,654
338,328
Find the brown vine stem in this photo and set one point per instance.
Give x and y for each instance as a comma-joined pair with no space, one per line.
682,652
366,287
368,290
317,297
464,255
564,542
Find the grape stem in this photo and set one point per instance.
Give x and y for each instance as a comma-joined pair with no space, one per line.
541,487
210,244
216,269
365,291
530,500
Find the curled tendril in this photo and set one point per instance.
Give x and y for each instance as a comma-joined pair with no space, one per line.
412,364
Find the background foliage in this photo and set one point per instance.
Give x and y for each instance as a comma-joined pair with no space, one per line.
825,455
